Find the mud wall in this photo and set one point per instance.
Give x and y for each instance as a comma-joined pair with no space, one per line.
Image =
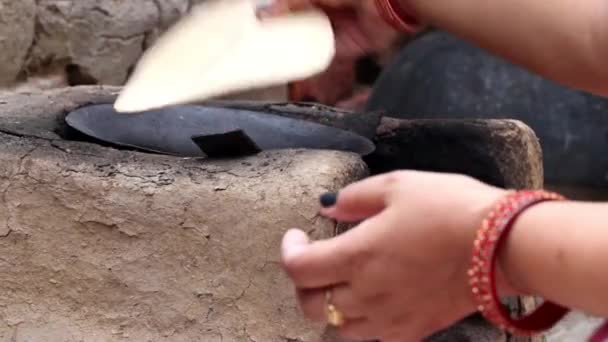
102,244
93,41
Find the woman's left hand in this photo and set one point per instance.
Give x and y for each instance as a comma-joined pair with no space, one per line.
401,274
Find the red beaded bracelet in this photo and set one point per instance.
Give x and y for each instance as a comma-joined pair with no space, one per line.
400,18
490,237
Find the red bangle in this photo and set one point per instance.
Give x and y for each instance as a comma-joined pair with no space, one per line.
490,237
400,18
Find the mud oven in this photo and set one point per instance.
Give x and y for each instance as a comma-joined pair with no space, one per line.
131,230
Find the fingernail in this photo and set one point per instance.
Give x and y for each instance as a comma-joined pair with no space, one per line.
328,199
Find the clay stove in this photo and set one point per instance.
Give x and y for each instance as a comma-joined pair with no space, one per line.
110,240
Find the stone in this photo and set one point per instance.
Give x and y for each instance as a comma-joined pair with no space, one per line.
504,153
101,244
17,25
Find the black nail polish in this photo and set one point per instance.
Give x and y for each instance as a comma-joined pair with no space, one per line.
328,200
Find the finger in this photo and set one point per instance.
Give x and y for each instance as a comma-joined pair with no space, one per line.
360,200
360,329
327,262
315,264
281,7
295,242
351,41
314,303
409,330
404,336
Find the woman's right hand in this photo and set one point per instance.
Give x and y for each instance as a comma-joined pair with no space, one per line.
401,274
358,26
359,30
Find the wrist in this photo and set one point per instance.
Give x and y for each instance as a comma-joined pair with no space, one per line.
495,251
509,279
515,250
508,273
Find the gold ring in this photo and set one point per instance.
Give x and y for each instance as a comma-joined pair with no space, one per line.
334,316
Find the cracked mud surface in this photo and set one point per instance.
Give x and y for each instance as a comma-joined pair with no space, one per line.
108,245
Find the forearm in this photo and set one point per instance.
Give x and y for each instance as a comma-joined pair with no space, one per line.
560,252
563,40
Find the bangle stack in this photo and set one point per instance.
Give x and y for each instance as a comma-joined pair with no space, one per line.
482,274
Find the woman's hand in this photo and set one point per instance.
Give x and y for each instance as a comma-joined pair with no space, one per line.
401,274
358,27
359,30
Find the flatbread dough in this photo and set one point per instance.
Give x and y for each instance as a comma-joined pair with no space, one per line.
222,47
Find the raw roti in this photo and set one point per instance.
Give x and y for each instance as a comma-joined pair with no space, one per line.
222,47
